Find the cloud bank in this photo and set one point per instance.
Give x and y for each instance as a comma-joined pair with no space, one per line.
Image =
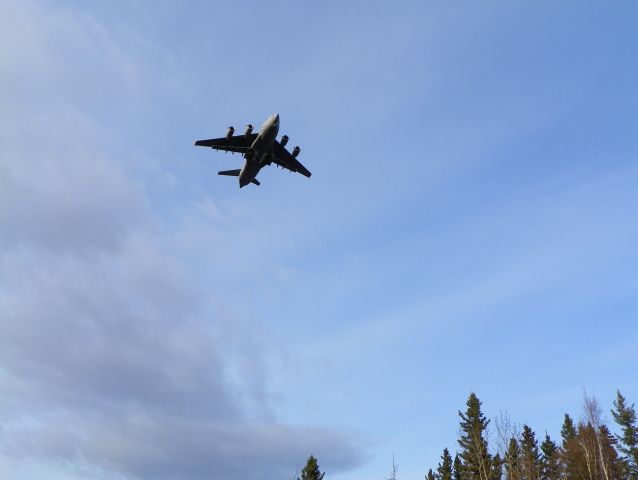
114,360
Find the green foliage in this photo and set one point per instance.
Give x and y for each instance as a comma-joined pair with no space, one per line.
512,461
311,470
497,468
475,458
568,431
609,456
550,460
530,458
457,469
444,470
625,417
571,453
589,451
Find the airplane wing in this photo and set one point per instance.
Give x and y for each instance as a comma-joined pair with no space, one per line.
236,143
284,159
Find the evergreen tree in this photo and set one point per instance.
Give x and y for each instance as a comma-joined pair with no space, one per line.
614,466
572,459
497,468
591,455
475,458
444,470
568,431
530,458
430,475
512,461
457,469
550,460
571,453
625,417
311,470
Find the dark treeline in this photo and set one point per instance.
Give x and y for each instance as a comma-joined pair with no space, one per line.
587,450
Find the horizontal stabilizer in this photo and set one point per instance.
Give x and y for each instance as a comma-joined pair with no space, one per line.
230,173
255,181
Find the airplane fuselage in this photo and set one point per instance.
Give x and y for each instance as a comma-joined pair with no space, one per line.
260,153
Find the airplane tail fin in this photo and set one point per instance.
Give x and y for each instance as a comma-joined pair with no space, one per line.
230,173
255,181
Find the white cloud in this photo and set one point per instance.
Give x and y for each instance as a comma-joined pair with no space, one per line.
114,358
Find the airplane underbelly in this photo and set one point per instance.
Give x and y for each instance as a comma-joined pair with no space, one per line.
260,156
250,170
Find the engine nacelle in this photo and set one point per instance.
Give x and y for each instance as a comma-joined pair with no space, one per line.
249,130
296,152
230,132
284,140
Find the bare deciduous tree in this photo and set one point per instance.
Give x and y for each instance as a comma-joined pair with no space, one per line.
393,473
599,465
504,431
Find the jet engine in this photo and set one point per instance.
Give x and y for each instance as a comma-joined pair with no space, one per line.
284,140
249,130
296,152
230,132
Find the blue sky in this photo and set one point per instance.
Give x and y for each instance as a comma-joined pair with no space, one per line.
470,225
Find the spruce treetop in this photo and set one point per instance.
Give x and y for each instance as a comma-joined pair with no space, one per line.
530,458
475,458
625,417
529,445
311,470
550,460
457,469
568,431
444,470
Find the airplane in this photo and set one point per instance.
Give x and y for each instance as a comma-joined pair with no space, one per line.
259,149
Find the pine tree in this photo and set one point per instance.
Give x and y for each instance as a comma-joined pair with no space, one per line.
609,456
530,458
311,470
512,461
430,475
568,431
571,453
457,469
497,468
625,417
475,458
550,460
444,470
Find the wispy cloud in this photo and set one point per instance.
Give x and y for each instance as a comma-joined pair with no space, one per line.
115,359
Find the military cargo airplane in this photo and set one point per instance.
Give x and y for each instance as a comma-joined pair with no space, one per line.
259,149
